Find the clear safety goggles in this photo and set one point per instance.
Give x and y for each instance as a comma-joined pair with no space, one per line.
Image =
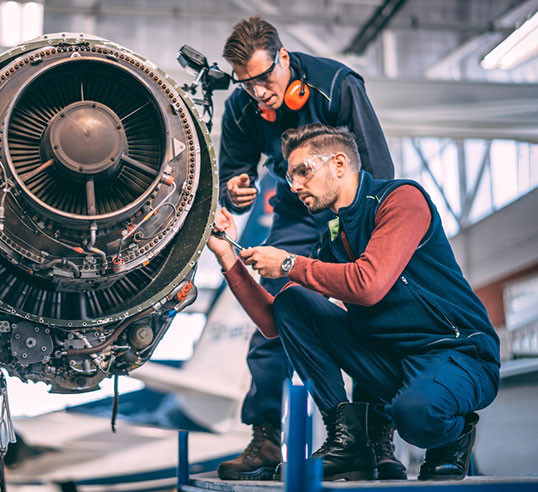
304,171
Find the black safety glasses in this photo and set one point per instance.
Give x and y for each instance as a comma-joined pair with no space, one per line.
261,78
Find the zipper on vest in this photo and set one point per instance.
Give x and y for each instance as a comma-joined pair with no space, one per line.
333,247
452,325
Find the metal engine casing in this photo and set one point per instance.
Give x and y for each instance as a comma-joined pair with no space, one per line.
108,191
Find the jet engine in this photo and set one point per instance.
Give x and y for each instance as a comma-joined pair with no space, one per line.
108,191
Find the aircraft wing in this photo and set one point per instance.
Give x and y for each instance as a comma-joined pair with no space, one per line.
82,449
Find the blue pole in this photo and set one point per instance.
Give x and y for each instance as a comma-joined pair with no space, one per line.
471,471
313,467
297,438
309,387
183,459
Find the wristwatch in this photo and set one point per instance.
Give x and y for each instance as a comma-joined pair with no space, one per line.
288,263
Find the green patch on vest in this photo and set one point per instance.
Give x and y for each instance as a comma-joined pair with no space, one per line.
334,227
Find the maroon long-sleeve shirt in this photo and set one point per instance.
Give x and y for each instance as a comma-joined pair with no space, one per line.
401,222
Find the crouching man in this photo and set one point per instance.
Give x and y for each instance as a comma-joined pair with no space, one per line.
414,336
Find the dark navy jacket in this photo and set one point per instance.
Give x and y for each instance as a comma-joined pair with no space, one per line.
337,98
431,306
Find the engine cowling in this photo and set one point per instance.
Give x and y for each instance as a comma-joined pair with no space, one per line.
108,193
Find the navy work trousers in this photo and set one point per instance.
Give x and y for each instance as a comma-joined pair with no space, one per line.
295,231
426,396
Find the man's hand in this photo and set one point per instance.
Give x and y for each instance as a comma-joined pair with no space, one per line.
266,260
222,249
240,192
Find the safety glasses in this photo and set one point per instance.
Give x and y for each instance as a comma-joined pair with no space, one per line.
262,79
306,169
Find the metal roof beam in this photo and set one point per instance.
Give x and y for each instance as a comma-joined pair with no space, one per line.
374,26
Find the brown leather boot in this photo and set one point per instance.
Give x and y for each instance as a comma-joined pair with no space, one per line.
381,433
259,459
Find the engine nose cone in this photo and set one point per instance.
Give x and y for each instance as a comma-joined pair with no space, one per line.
87,139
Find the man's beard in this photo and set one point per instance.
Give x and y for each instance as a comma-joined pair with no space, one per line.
325,201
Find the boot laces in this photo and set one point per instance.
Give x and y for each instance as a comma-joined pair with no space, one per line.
330,424
260,433
382,436
324,448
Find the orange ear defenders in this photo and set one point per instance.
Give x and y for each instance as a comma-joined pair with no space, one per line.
297,94
295,98
267,114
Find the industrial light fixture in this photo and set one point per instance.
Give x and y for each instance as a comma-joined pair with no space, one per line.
517,48
20,21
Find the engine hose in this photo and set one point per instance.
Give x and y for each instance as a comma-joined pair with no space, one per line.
119,330
60,261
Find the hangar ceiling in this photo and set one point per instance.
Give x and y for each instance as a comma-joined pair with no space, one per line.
394,44
421,33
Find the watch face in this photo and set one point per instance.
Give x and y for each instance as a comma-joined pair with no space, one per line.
288,263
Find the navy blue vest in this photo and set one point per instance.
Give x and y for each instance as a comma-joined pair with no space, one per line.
431,305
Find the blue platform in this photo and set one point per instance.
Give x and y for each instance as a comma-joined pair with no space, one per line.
304,475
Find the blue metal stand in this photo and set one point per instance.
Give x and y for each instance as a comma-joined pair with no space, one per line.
183,459
471,472
300,473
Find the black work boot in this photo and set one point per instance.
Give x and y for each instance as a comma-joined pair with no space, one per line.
451,462
259,459
329,419
381,433
349,455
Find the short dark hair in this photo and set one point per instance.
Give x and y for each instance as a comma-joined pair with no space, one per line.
321,139
250,35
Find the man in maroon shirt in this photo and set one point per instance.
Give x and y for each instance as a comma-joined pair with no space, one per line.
413,333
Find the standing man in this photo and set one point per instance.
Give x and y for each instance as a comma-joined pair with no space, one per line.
414,335
278,90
